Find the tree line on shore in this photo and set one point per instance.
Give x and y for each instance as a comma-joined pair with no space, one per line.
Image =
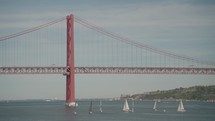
198,93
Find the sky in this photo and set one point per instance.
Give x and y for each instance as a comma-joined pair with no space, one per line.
184,27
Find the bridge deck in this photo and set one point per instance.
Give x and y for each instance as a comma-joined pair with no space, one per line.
107,70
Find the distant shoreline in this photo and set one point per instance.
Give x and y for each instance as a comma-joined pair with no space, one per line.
195,93
190,94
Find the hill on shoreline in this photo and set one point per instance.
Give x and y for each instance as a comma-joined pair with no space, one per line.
197,93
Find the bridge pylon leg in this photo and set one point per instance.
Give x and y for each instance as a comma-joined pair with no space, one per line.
70,77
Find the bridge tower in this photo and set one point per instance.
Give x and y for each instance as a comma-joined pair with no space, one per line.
70,76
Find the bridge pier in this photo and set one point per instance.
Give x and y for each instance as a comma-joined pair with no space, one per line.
70,76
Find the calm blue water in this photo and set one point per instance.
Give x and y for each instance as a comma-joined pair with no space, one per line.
112,111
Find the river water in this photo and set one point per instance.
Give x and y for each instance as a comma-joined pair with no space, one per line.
41,110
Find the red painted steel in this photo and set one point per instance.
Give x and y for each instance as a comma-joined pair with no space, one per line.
107,70
70,70
144,70
70,77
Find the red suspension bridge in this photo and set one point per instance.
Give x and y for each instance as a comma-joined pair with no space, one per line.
98,51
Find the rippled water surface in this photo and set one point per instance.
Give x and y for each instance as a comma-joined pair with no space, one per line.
112,111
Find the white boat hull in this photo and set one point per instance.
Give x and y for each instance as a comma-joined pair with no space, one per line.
71,104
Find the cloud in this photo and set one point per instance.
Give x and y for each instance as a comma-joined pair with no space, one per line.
185,26
153,15
122,14
155,22
181,25
27,20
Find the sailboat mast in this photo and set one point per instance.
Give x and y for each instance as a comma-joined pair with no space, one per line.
91,108
100,106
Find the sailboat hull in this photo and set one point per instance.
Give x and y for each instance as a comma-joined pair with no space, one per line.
126,110
181,111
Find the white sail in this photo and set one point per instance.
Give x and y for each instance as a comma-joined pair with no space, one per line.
126,107
155,105
181,107
132,110
100,107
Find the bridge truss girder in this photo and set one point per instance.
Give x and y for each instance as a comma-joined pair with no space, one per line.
107,70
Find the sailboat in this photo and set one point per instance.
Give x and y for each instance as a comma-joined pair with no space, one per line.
181,107
100,107
126,107
91,108
132,109
155,106
75,108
